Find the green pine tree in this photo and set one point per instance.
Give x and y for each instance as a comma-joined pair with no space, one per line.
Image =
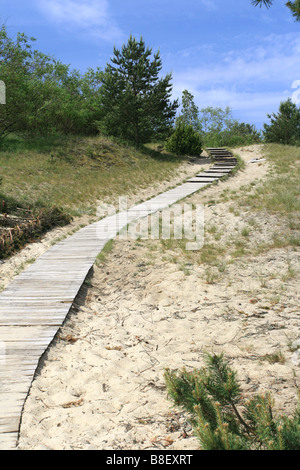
293,6
190,112
136,102
222,419
284,127
184,140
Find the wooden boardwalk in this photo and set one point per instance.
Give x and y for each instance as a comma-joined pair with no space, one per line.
35,305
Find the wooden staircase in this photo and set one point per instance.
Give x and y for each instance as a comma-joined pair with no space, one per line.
224,162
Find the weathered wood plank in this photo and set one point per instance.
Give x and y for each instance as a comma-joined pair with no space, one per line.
200,180
8,441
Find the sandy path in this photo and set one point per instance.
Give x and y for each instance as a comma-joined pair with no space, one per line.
100,385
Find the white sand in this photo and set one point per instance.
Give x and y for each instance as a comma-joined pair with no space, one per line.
101,386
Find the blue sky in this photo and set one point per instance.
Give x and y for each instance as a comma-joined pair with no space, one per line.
225,52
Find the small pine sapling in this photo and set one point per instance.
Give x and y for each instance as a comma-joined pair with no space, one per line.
222,419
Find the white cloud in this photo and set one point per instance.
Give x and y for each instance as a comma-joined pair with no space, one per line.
238,100
209,4
91,17
274,61
252,81
252,107
277,68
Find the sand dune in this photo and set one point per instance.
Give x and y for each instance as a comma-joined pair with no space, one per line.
100,384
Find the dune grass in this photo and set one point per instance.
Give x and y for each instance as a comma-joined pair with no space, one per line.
74,172
277,196
279,193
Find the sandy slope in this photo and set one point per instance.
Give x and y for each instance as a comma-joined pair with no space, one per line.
100,385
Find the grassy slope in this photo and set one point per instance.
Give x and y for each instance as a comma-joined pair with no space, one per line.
73,173
279,194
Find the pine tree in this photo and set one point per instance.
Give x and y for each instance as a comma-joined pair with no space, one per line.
293,6
135,100
295,9
184,140
222,418
189,112
284,127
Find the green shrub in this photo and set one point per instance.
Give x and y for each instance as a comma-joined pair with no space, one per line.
184,141
222,418
284,127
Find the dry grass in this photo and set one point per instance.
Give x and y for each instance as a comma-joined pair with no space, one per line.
74,173
274,201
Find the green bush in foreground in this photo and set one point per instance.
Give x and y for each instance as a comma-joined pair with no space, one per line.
222,418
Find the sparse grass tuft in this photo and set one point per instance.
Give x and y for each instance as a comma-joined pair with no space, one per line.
101,258
276,357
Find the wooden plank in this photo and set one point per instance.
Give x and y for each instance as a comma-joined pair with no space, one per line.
200,180
220,170
210,175
8,441
10,424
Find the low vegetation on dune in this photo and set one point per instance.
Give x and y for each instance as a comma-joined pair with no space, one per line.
46,183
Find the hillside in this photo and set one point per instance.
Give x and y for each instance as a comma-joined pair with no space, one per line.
49,194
